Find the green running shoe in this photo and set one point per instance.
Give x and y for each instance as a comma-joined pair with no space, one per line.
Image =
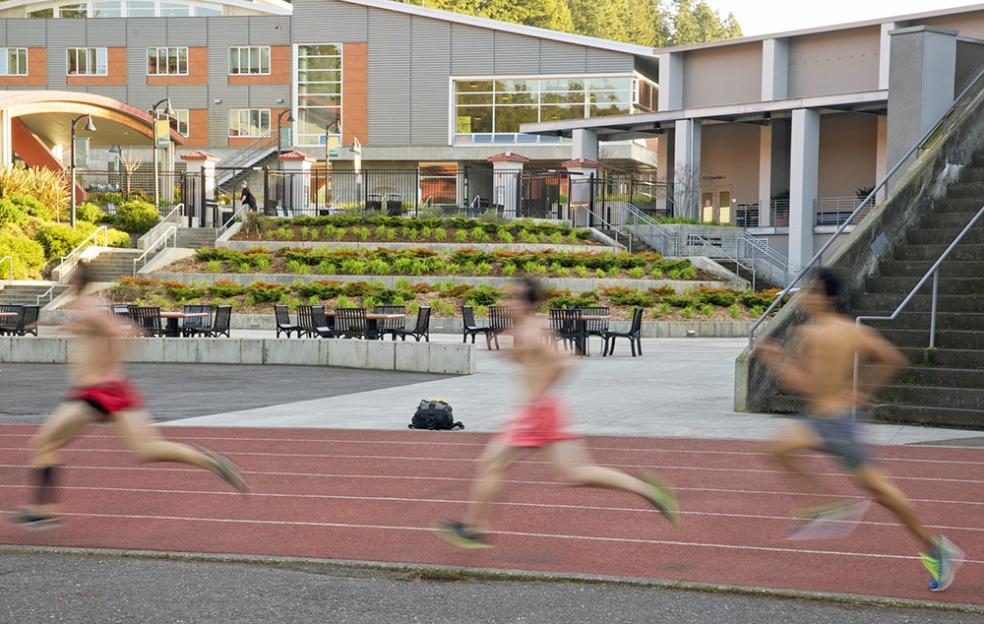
662,497
461,535
943,563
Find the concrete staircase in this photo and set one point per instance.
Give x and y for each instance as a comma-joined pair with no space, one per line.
196,238
110,265
27,293
945,385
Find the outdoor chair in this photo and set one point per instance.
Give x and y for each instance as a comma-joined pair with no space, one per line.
566,327
392,326
597,327
500,319
305,321
470,327
284,326
121,309
324,326
421,329
27,323
190,325
634,335
219,327
148,319
8,324
351,322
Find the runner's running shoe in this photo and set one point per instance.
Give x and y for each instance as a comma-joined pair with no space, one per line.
830,521
662,497
461,535
33,521
943,563
227,470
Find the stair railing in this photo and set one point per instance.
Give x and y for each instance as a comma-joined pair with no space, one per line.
48,294
164,223
10,267
722,252
69,262
169,233
612,228
935,132
641,225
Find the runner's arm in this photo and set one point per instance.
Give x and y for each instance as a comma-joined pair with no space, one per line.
889,361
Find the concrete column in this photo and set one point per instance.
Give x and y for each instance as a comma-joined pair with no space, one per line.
686,172
921,84
664,168
775,69
885,52
201,168
671,81
297,169
584,145
507,176
881,153
765,176
6,140
804,170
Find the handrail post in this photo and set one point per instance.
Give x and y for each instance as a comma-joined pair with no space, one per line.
932,313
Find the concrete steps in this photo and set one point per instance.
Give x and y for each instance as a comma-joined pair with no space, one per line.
28,293
196,238
110,265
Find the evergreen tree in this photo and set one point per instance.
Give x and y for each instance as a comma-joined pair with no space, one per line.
686,29
640,22
732,28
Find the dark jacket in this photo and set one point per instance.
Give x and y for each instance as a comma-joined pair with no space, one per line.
248,198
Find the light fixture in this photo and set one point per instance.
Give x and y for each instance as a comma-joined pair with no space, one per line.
89,126
217,101
167,108
280,100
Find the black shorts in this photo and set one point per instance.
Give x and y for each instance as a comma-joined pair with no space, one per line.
839,437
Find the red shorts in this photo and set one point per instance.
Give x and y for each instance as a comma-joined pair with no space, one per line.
539,423
109,397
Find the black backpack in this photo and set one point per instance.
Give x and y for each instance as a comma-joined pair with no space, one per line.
434,415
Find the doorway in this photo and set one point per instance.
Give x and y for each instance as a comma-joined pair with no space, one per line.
716,205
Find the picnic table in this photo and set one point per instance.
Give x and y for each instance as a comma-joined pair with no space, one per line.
583,331
172,318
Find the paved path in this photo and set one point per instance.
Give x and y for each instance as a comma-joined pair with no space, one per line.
111,590
373,496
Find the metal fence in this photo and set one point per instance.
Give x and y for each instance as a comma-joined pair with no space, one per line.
109,188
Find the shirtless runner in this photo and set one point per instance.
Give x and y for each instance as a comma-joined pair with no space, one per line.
822,370
542,422
100,393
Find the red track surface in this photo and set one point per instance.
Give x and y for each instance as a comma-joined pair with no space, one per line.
373,495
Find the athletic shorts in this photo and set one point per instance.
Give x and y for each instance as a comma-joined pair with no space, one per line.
109,398
839,437
539,423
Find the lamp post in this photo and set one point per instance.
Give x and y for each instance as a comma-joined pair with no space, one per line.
155,113
328,128
290,119
89,127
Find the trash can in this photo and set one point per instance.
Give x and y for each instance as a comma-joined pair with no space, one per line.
394,204
374,201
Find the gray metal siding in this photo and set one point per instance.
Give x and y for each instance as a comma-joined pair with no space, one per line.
27,32
3,33
218,126
136,68
471,50
117,93
329,21
143,97
232,96
606,61
266,96
389,78
223,32
105,32
191,96
146,31
187,31
269,30
515,54
562,58
430,67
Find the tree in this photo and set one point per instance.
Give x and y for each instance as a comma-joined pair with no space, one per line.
640,21
131,162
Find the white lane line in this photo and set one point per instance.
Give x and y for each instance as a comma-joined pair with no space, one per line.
446,501
471,460
417,444
562,536
469,479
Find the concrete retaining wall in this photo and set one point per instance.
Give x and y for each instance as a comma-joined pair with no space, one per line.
441,247
421,357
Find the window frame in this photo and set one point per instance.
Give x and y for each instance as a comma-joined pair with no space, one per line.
97,50
239,54
167,54
211,9
238,112
5,52
178,122
305,138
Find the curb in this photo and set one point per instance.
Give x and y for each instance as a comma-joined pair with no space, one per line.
446,573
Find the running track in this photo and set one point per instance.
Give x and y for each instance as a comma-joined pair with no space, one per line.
373,496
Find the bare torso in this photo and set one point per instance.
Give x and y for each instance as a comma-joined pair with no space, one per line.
542,367
827,350
96,352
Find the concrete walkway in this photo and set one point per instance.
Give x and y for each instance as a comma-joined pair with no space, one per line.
682,387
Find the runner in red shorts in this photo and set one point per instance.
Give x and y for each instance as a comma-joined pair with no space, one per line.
102,393
542,422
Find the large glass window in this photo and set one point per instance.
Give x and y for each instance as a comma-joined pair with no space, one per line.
140,8
87,62
106,8
487,111
179,121
73,11
167,61
13,61
249,122
319,93
128,8
249,60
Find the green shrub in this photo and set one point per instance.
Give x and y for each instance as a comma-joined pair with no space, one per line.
735,312
461,236
483,268
688,312
579,300
483,294
261,262
440,234
509,269
295,266
136,216
28,255
716,296
363,233
214,266
706,309
377,266
11,213
59,239
504,236
762,298
637,272
326,267
630,297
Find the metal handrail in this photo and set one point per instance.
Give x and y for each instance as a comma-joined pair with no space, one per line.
704,242
667,242
228,224
78,249
168,233
49,294
162,224
10,260
883,183
614,229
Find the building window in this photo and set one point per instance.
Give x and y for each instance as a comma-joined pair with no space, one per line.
253,60
127,8
106,8
13,61
167,61
249,122
87,62
180,121
491,111
319,93
73,11
141,8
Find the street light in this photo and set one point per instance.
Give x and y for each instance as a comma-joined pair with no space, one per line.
155,112
328,127
89,127
290,119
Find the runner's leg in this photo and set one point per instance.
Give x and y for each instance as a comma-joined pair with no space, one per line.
492,466
795,438
67,422
573,464
142,438
893,499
